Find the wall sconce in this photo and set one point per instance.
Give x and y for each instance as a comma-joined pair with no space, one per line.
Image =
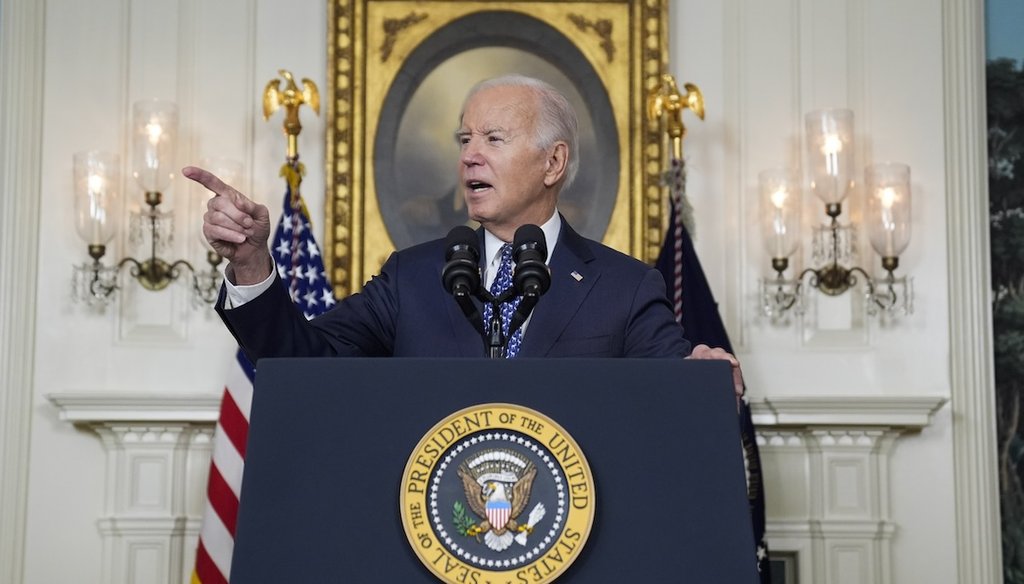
830,160
97,184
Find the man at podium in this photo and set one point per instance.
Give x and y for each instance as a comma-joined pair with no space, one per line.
518,138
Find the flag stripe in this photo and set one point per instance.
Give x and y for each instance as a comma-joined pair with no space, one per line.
206,571
222,499
240,382
219,544
224,485
228,461
234,422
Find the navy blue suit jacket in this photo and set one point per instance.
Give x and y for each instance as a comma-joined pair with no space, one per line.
614,306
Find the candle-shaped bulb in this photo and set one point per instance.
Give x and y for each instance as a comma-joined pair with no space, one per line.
887,196
779,197
155,125
154,131
829,153
95,183
888,213
831,145
96,180
782,216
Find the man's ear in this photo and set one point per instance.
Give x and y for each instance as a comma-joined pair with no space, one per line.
556,164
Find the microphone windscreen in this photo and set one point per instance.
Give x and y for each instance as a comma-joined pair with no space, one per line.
461,237
531,236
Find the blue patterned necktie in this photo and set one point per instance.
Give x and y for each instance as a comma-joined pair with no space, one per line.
502,282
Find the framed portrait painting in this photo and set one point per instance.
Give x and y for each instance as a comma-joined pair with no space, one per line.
399,71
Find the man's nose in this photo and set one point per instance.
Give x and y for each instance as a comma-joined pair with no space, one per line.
471,154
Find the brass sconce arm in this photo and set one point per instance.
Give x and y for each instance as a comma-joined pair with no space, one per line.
152,274
890,295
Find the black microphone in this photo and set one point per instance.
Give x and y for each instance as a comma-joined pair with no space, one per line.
461,273
532,276
530,251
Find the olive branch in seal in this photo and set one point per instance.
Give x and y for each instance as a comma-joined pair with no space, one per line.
463,521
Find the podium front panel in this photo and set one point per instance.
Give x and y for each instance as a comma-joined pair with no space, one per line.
329,440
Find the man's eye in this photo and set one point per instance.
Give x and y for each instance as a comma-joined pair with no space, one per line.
495,139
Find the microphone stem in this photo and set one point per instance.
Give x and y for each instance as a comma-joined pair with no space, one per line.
495,338
469,309
526,305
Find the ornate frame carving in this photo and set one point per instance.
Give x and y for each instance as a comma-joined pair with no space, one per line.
376,46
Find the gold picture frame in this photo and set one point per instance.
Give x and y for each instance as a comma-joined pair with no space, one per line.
393,61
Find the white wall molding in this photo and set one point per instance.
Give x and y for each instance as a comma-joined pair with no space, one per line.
143,526
826,462
158,451
979,540
733,182
896,411
99,407
22,51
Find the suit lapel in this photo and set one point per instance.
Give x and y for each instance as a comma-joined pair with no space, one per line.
572,278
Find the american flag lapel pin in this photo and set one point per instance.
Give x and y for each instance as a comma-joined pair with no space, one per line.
577,276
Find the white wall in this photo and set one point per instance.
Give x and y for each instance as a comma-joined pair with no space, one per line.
761,65
213,59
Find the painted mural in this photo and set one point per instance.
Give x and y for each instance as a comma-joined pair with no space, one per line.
1005,87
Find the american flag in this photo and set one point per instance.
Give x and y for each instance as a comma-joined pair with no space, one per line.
301,269
697,311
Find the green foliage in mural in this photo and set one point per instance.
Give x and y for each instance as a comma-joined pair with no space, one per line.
1006,207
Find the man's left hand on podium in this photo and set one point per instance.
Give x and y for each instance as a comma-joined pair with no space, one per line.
706,352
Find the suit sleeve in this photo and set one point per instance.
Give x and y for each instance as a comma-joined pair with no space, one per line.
652,330
361,325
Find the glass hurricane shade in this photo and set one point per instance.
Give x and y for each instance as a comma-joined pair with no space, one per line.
97,177
154,136
830,153
888,209
780,197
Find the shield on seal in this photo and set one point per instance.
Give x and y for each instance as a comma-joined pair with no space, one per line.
498,513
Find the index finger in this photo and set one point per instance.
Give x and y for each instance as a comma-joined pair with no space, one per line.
218,187
209,180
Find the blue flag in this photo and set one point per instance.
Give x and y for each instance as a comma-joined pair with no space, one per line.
697,311
296,254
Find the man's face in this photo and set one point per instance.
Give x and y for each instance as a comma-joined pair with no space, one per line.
505,176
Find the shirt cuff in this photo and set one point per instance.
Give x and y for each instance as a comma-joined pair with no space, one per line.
239,295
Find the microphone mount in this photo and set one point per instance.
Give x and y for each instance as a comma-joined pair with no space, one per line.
495,337
531,279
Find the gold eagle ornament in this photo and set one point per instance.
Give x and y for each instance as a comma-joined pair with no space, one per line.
290,98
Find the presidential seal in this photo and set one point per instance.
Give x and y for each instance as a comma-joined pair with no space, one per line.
497,494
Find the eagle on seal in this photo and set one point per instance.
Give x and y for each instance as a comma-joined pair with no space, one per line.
497,506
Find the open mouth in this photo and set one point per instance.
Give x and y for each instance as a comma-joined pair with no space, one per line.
477,186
